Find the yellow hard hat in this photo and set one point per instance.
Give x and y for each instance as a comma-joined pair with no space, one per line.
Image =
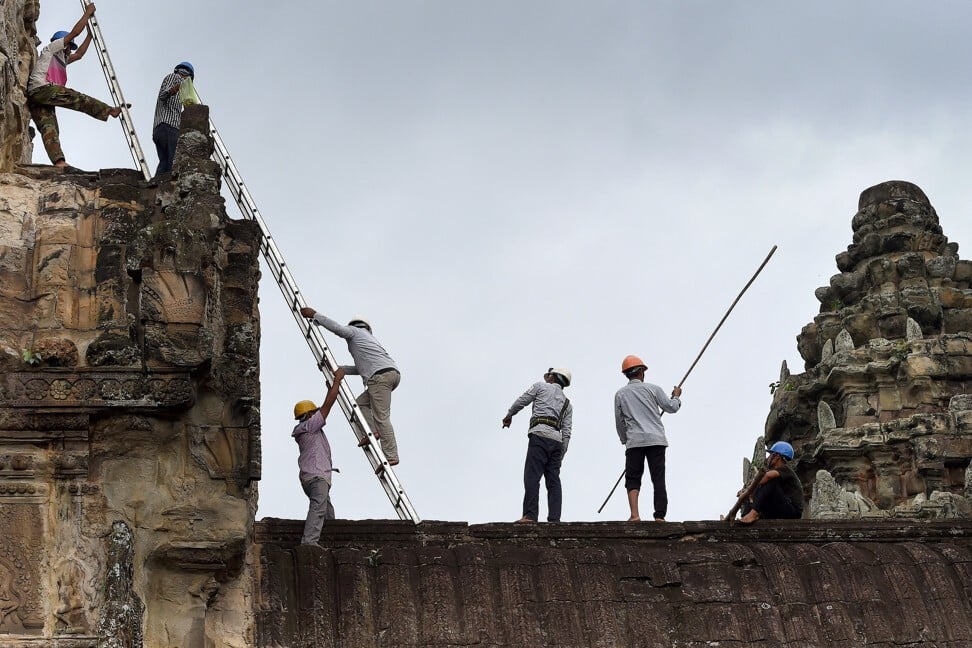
303,407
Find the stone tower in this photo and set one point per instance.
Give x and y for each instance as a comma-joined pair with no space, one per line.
881,419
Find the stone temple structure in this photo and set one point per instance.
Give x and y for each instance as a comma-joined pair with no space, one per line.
129,405
882,417
130,454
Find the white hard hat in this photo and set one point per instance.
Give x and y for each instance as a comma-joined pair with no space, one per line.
560,371
360,320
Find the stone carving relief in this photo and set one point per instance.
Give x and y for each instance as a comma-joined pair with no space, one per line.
223,451
832,501
825,417
75,596
96,389
10,599
21,561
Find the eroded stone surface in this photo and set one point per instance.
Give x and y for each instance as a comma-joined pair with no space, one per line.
787,583
18,42
129,424
886,358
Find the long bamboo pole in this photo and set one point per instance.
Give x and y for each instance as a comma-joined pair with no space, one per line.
704,347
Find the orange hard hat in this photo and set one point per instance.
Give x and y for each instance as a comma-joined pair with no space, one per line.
631,362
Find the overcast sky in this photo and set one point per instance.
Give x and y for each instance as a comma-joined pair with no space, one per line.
501,187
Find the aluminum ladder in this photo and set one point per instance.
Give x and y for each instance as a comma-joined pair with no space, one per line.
312,333
116,94
285,281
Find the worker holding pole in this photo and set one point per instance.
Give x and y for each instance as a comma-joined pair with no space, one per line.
637,417
678,389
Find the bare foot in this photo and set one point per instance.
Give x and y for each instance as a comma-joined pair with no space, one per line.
659,519
525,520
393,462
750,517
60,164
634,518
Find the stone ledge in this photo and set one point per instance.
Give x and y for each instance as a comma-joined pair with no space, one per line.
287,532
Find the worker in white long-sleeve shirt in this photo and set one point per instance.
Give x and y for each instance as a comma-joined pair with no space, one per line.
549,433
637,417
377,370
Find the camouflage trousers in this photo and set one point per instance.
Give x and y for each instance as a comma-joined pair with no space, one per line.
42,101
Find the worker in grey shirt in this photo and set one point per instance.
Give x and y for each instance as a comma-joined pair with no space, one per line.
378,372
637,417
549,435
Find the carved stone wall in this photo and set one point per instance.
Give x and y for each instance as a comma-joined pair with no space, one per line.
881,419
784,584
129,406
18,43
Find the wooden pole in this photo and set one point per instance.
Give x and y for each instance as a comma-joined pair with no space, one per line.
746,494
704,347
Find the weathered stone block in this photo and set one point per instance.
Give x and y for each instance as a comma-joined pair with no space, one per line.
941,266
893,325
957,320
963,273
955,297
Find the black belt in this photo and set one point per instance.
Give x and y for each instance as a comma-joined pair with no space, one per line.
385,370
545,420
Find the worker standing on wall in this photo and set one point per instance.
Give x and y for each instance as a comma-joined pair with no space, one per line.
46,87
168,115
314,461
780,492
377,370
549,433
637,417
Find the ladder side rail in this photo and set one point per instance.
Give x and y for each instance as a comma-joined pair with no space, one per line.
114,88
325,360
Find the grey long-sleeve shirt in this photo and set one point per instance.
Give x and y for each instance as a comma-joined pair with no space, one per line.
368,354
637,414
548,399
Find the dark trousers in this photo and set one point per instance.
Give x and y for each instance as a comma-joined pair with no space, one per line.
165,137
772,504
634,468
542,459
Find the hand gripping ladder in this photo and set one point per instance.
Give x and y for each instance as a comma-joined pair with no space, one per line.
116,94
312,333
285,281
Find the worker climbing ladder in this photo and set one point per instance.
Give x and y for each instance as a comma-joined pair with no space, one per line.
285,281
125,117
312,334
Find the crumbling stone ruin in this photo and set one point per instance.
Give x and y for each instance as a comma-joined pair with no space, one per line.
18,51
882,416
129,406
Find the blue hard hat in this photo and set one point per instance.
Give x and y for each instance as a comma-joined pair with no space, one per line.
186,65
783,449
58,35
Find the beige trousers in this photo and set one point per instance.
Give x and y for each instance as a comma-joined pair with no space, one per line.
375,403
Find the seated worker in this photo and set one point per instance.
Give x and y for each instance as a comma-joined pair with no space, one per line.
780,493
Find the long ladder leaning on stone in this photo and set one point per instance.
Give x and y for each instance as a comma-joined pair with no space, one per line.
312,334
116,95
285,281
